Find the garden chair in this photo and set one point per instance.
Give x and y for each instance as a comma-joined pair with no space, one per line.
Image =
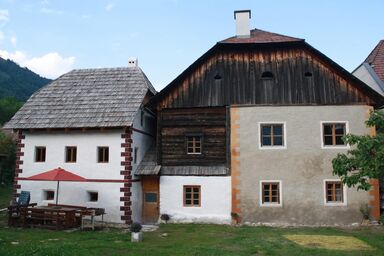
14,209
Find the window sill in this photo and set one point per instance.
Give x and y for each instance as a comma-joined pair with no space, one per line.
335,147
271,205
335,204
272,147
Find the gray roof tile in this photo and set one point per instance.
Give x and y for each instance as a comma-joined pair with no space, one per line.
107,97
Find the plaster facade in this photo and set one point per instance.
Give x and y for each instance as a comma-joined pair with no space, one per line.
302,165
215,199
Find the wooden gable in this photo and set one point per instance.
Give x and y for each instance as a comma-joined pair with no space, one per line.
232,74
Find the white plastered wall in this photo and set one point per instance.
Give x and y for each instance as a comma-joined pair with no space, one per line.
143,142
75,193
215,199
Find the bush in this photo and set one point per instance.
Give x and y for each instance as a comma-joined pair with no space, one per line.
135,227
382,219
165,217
365,211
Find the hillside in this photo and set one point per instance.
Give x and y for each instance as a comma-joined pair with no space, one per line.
18,82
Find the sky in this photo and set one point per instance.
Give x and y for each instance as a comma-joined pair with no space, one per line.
53,37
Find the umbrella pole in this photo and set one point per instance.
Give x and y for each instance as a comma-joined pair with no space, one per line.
57,192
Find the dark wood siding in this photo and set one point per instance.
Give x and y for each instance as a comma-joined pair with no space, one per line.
235,77
175,124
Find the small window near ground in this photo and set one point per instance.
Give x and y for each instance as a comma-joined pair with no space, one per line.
270,193
40,154
70,154
93,196
334,192
194,144
333,134
272,135
135,154
103,154
49,195
192,196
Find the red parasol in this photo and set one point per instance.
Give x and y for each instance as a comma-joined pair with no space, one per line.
57,175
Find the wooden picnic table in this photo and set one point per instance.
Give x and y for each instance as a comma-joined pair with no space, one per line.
58,216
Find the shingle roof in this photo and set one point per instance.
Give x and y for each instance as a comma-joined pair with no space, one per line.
107,97
376,59
261,36
148,166
219,170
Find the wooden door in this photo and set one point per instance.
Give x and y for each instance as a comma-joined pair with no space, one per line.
150,186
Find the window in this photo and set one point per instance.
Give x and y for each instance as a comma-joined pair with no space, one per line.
307,74
48,195
39,154
272,135
135,153
334,192
217,77
103,154
332,133
70,154
194,144
93,196
150,197
192,196
270,193
142,114
267,75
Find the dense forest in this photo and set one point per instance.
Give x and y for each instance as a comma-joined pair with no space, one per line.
17,84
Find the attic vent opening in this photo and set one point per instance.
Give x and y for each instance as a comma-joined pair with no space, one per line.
267,75
217,77
308,74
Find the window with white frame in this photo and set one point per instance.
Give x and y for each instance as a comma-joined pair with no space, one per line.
48,195
272,135
93,196
270,193
334,192
332,134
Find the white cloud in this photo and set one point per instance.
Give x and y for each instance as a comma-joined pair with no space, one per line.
44,2
109,7
4,15
50,65
17,56
1,36
51,11
13,40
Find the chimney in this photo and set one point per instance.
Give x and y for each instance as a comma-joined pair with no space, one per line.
242,23
132,62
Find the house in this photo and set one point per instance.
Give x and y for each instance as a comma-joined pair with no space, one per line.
250,128
371,71
93,123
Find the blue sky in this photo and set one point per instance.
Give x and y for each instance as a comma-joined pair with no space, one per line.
52,37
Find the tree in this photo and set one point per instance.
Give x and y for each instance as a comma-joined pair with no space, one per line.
365,160
7,164
8,107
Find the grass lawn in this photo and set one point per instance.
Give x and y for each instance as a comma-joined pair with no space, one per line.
193,239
